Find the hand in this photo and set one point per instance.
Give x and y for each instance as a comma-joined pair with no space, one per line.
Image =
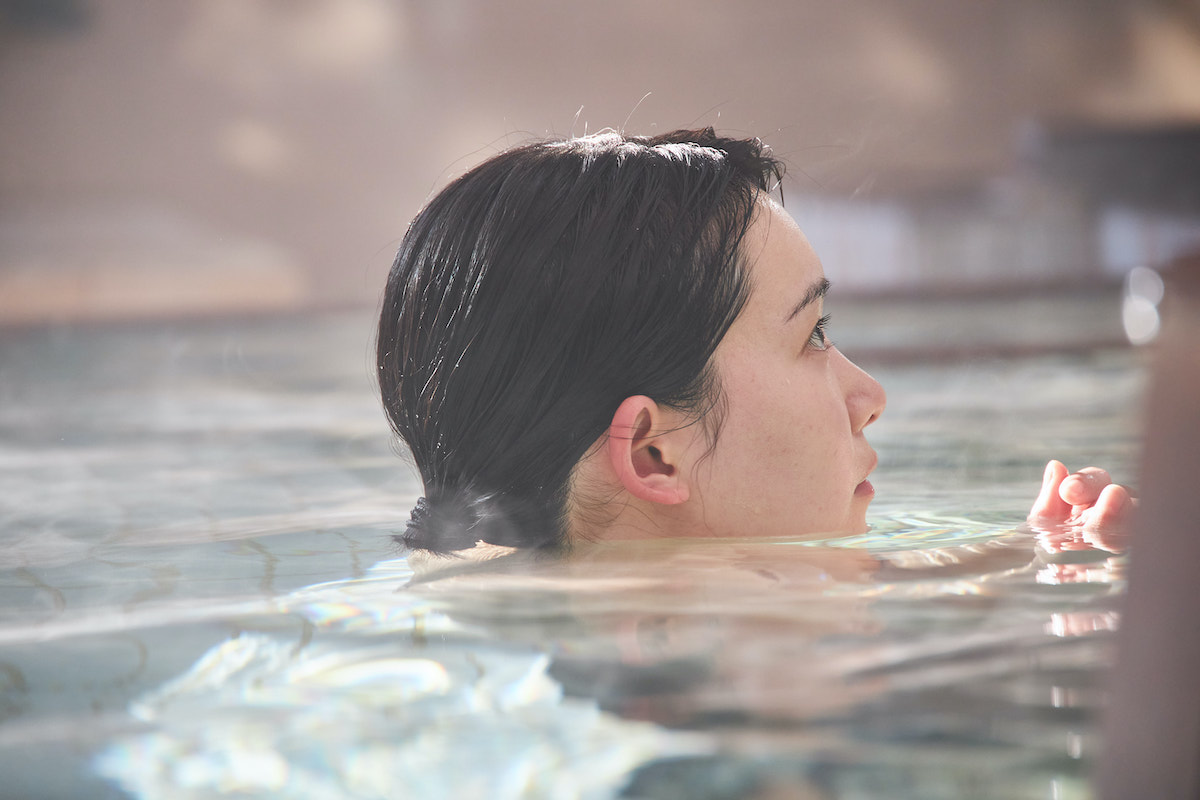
1081,511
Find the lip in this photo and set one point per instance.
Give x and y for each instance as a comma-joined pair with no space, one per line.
865,488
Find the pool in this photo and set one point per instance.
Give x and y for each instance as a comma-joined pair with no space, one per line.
199,597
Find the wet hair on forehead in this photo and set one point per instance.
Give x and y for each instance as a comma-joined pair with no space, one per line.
535,293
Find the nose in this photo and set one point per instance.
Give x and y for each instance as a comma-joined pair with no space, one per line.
865,398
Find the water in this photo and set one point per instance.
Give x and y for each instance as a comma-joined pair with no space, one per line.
198,597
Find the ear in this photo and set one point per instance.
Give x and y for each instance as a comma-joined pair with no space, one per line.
646,449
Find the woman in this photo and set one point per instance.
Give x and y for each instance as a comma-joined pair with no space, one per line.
618,337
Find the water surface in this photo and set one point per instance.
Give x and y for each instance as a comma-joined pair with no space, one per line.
199,597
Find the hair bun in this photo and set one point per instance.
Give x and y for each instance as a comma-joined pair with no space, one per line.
441,526
456,521
419,514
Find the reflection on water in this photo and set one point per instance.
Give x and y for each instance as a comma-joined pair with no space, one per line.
199,597
383,696
696,669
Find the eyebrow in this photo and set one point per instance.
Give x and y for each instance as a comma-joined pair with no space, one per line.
814,293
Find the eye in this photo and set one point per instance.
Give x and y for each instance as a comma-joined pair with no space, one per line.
817,340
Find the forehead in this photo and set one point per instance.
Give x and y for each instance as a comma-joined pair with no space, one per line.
782,263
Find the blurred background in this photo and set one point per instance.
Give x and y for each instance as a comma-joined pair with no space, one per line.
200,200
167,160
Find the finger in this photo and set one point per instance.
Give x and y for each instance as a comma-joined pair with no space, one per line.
1113,508
1108,523
1049,505
1083,488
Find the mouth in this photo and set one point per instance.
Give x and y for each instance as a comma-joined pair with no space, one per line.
864,488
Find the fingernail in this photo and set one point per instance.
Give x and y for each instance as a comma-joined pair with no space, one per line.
1048,474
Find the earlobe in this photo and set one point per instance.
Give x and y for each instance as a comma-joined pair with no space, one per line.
643,453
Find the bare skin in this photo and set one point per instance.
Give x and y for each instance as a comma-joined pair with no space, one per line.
792,458
1081,510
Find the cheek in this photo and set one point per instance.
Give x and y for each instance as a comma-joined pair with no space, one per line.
783,413
802,435
776,424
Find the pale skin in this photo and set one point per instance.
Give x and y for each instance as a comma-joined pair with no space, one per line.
1081,510
791,457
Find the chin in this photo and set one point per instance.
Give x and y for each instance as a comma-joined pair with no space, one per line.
858,519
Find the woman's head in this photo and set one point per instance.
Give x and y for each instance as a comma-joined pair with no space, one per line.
560,298
792,457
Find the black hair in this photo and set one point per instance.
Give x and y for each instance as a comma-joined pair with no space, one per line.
535,293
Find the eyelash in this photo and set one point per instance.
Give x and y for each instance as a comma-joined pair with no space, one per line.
817,340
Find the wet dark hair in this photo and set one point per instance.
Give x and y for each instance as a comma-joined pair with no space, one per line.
535,293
